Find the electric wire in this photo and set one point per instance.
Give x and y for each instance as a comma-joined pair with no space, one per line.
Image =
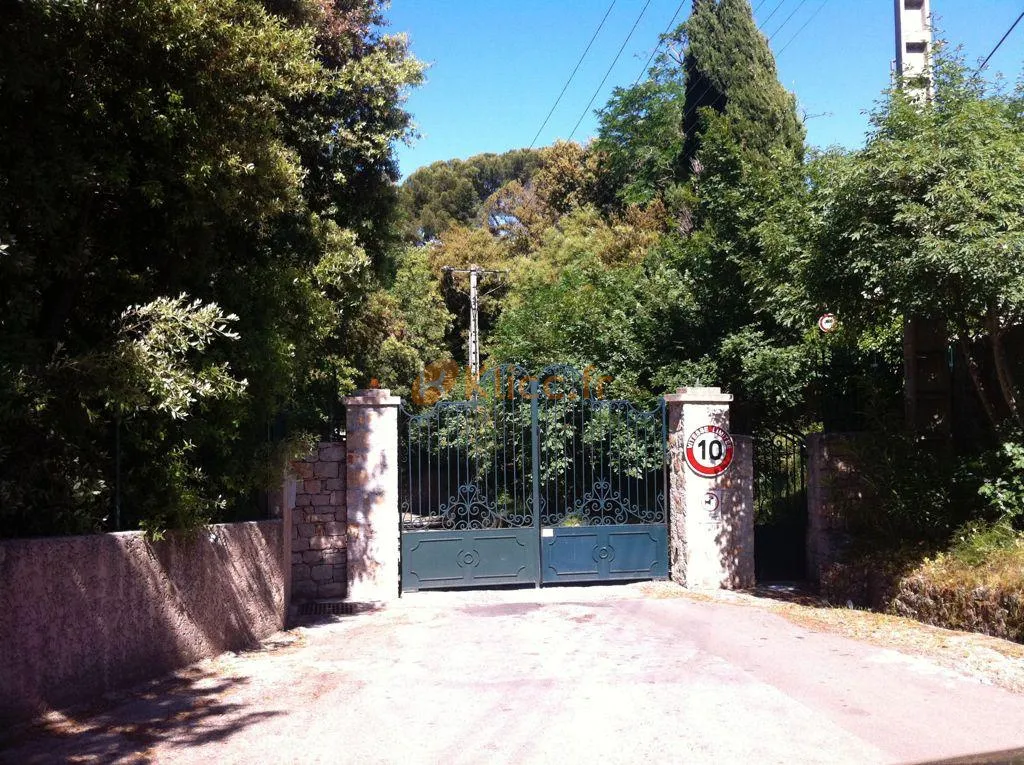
658,46
614,62
571,76
769,16
800,5
802,28
999,44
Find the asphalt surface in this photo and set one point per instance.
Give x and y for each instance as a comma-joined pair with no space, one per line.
563,675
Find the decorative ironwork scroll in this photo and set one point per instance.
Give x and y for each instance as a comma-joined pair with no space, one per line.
542,450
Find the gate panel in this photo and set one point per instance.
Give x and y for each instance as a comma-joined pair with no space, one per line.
780,506
605,553
468,559
467,500
601,473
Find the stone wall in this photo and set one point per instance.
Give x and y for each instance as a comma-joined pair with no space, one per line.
319,520
80,616
833,488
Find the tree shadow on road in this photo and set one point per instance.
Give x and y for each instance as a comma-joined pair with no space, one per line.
799,593
185,709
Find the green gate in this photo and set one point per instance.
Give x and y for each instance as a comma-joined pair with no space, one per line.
536,480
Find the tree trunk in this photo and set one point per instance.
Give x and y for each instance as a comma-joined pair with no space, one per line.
979,385
1003,373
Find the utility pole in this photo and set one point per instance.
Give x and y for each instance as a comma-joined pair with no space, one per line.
914,46
927,376
475,272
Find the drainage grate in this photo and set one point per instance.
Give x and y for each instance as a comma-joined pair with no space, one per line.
327,608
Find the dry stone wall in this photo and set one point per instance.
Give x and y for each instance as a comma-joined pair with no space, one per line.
319,522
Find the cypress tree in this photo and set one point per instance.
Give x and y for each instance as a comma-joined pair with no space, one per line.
730,68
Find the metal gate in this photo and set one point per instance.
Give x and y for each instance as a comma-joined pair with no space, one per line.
535,480
780,506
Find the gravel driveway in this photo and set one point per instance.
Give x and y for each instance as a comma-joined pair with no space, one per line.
583,674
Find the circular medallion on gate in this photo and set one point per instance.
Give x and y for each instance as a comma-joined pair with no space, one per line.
604,553
468,558
709,451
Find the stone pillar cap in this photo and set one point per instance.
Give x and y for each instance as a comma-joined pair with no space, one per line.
699,396
372,397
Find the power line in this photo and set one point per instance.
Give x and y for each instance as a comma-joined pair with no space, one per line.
575,69
614,61
802,28
769,17
658,46
999,44
791,15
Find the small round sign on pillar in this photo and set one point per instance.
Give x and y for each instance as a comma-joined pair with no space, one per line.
709,451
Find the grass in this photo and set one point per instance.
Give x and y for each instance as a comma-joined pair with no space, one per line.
976,583
982,555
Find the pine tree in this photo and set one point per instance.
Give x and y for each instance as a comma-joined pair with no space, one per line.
730,69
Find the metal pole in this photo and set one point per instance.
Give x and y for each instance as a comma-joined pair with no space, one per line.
474,321
117,474
535,454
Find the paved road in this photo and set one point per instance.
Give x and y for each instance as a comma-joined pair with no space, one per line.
563,675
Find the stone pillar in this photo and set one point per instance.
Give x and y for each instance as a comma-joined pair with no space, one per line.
835,487
287,515
372,495
711,526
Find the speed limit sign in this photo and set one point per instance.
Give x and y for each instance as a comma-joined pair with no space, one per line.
709,451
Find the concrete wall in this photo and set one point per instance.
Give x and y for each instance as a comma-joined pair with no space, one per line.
371,417
319,539
83,615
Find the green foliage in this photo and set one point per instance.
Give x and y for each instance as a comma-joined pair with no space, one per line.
926,221
978,542
904,494
640,136
443,194
730,70
404,327
238,152
571,308
149,365
1004,490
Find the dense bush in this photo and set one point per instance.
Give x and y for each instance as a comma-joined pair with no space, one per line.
234,153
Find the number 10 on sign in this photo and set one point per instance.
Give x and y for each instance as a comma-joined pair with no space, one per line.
709,451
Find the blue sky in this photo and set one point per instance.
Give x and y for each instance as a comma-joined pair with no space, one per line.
496,68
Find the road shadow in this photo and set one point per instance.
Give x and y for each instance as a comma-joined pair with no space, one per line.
1006,757
800,593
183,710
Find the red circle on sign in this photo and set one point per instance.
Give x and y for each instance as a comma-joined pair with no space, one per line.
709,451
827,323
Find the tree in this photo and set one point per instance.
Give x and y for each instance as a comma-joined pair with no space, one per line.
405,327
236,152
444,194
927,220
730,69
640,135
